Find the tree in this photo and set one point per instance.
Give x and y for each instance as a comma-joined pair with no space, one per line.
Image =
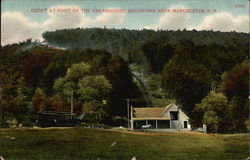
81,83
94,87
157,52
235,82
39,101
21,98
235,85
94,91
32,65
68,84
96,111
216,113
187,82
240,112
123,87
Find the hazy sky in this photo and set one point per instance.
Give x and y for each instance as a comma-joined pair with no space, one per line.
18,22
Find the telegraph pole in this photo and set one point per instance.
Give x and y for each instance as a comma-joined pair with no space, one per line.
128,110
1,110
72,105
178,118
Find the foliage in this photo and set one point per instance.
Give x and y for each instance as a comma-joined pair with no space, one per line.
210,118
21,99
127,43
157,53
32,65
216,113
240,112
80,82
39,101
187,83
69,83
95,111
235,82
180,66
94,88
235,85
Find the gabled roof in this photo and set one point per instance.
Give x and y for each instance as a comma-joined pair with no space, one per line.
152,113
147,112
167,108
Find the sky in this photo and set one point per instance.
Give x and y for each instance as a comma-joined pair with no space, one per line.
25,19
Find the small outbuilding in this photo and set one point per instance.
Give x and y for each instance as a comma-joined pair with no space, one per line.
170,117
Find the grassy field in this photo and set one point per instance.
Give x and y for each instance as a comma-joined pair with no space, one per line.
88,144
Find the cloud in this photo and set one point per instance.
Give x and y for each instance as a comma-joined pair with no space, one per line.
172,21
224,21
61,20
17,27
108,19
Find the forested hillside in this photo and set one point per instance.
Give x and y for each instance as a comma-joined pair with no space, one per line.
127,43
204,72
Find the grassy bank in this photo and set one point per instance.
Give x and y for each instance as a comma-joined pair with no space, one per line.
88,144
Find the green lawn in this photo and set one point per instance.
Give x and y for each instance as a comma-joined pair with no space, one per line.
86,144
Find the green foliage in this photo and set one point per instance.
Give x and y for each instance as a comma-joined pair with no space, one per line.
21,99
127,43
123,87
190,62
95,111
235,85
94,88
216,113
211,120
69,83
240,112
187,83
157,52
39,101
247,123
90,89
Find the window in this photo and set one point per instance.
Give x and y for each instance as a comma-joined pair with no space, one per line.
174,115
185,124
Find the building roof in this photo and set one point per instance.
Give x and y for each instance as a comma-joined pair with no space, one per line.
152,113
149,114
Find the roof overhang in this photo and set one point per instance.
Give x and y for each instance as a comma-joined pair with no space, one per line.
151,118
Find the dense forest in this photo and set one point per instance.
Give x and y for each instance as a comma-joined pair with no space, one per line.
204,72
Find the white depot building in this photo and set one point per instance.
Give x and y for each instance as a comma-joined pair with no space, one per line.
169,118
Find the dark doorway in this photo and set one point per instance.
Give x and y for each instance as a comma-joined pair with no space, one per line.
185,124
174,115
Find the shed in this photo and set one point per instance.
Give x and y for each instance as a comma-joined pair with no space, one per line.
169,117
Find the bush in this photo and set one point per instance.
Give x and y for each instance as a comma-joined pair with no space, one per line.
118,120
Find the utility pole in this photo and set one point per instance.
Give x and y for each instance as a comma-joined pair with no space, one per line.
178,118
72,105
128,110
1,110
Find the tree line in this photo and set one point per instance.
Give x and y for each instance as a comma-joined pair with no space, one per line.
205,72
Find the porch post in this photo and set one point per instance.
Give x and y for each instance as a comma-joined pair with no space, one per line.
131,121
156,124
170,124
146,122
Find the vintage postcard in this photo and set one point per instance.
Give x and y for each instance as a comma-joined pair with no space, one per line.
124,80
